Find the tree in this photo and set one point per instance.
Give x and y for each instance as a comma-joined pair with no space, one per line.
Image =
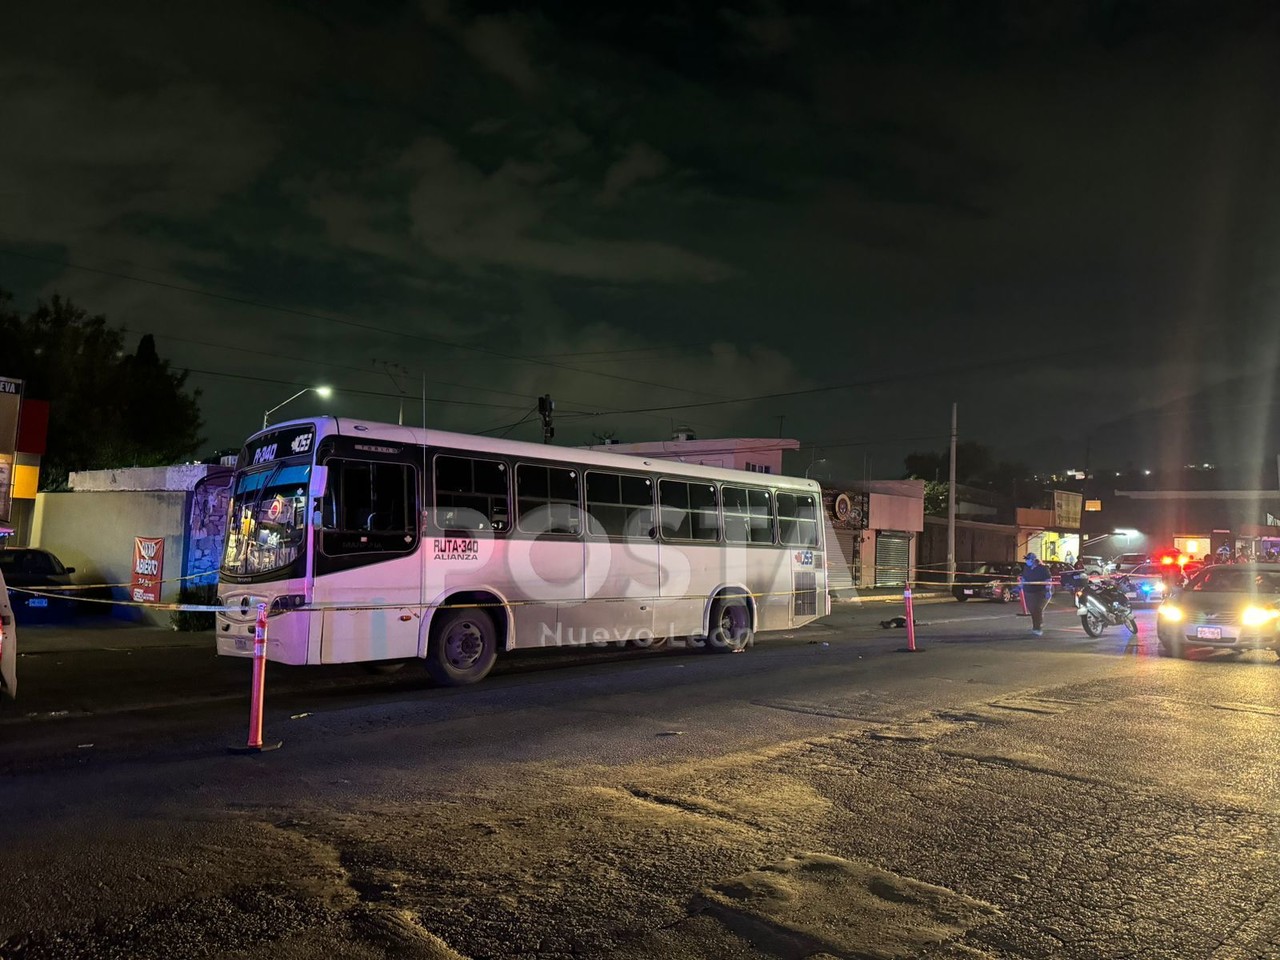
936,497
976,466
106,408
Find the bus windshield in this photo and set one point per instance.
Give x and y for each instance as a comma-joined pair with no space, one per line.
267,522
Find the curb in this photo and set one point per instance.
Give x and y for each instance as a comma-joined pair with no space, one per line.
896,598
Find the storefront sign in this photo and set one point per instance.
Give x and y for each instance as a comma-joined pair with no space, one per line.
10,405
1093,506
849,510
148,569
1066,509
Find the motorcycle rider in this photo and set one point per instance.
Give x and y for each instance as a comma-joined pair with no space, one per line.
1036,585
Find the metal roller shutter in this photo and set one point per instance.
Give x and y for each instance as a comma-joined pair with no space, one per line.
893,554
842,558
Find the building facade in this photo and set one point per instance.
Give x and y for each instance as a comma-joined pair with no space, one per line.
873,528
754,454
99,526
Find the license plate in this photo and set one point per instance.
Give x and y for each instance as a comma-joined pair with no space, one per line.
38,602
1209,633
242,643
968,593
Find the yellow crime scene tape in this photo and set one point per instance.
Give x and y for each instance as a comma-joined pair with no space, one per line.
334,608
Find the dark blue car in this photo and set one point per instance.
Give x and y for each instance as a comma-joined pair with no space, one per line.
37,570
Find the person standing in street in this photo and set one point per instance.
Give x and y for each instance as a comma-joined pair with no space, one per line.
1036,586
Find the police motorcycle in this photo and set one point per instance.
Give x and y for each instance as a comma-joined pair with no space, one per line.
1101,603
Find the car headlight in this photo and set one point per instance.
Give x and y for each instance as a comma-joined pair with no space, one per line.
1258,616
1171,613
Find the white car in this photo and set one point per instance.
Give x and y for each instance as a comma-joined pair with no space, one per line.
8,644
1146,583
1128,562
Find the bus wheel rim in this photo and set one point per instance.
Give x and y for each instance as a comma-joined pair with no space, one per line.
464,645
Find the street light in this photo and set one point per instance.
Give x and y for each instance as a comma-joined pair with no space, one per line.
324,392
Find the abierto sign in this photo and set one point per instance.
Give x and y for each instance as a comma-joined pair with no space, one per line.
148,569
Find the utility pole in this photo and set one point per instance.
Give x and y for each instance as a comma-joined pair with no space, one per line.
951,506
391,368
546,407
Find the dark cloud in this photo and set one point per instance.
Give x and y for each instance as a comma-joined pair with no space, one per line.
674,203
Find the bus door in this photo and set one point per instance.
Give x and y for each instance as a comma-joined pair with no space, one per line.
800,530
690,554
368,573
620,558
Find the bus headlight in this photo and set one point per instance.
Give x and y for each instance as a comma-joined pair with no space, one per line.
1171,613
1258,616
286,602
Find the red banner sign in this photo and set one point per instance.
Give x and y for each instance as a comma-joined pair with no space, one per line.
148,569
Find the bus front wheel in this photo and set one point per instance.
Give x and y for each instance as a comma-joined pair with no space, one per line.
730,626
464,645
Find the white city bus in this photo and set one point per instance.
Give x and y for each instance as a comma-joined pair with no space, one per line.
381,543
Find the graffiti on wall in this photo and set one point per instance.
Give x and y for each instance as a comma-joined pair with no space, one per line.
208,526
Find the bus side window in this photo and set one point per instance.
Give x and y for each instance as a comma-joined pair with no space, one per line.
748,516
797,519
690,510
369,507
547,499
471,494
619,505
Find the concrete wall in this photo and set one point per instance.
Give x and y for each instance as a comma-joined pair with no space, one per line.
182,476
975,543
94,531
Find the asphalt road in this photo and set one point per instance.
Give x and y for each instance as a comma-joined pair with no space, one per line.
822,795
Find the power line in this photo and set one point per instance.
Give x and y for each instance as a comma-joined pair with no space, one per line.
329,363
364,371
344,390
598,353
343,321
912,374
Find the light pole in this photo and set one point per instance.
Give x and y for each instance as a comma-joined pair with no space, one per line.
951,506
812,465
324,392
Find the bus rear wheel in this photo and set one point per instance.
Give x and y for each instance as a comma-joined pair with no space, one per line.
463,648
730,626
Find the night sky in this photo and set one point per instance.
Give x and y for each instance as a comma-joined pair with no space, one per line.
1063,216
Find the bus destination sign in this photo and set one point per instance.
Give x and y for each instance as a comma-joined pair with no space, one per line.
279,444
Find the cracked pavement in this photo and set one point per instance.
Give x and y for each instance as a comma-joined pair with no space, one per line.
995,796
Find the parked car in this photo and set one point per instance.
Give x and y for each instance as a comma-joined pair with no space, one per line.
8,644
1127,561
1058,568
1093,564
988,581
1227,606
37,570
